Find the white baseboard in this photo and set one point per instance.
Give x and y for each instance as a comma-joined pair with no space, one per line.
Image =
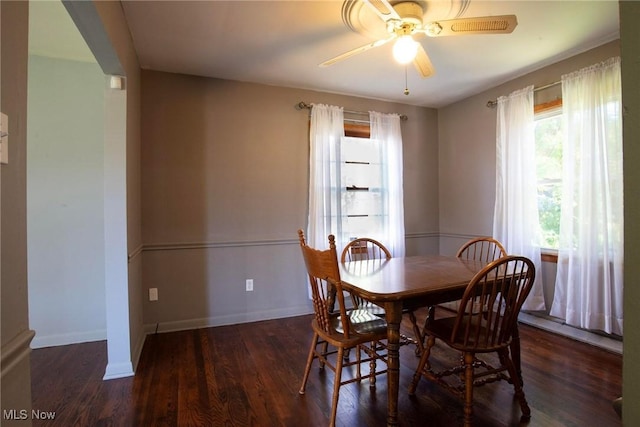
208,322
118,370
70,338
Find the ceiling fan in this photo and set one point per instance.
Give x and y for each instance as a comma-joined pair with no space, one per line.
403,21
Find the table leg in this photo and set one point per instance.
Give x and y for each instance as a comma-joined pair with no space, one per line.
393,317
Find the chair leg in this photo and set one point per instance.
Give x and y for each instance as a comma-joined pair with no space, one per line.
336,387
431,316
358,363
307,369
515,352
468,388
517,383
424,361
325,348
372,365
417,333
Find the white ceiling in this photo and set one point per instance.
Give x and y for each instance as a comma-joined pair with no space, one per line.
282,42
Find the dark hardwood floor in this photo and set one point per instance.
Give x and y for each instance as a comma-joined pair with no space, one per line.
249,375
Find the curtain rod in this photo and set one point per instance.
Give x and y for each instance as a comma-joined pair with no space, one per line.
492,104
302,105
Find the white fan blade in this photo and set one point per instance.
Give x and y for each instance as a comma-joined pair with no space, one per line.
423,63
357,50
383,9
502,24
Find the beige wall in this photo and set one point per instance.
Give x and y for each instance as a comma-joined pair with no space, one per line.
15,384
224,189
15,332
630,35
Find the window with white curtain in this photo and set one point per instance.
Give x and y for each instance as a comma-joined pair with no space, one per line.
589,282
515,219
578,174
355,185
549,140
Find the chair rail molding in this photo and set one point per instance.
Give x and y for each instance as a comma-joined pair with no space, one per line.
421,235
215,245
134,253
168,246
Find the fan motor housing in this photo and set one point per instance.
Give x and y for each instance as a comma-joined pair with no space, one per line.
409,12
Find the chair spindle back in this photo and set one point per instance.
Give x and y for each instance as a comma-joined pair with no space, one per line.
324,279
499,289
363,249
485,249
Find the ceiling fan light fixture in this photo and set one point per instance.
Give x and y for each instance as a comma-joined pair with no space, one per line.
405,49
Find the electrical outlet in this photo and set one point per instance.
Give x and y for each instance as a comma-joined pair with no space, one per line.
153,294
249,285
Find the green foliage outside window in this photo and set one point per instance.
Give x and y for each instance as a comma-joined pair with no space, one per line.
548,134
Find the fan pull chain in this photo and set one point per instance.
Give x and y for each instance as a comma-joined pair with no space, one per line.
406,88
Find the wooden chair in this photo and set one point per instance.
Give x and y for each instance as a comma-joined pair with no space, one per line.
484,249
364,248
336,332
500,288
367,249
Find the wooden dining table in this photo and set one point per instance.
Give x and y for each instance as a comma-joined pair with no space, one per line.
409,282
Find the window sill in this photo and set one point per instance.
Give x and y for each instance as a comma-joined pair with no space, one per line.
549,255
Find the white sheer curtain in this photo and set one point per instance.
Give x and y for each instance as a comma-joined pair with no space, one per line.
515,220
327,131
386,128
589,281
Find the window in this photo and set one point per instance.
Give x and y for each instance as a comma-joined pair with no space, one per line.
548,137
361,195
355,184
